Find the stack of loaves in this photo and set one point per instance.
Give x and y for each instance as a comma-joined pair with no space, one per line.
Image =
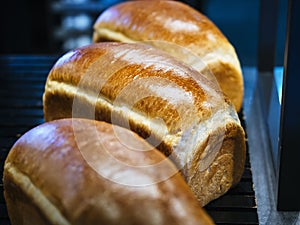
132,134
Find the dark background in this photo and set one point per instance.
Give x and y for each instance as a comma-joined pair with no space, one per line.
24,27
27,26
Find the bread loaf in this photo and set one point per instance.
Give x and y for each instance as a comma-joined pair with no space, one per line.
78,172
168,25
160,98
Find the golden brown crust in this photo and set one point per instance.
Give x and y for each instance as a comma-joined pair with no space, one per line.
156,20
105,69
59,172
135,21
156,96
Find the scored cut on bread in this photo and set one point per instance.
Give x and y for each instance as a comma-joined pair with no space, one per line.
168,103
168,25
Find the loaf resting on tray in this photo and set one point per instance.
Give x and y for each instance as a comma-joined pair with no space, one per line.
77,171
171,105
179,30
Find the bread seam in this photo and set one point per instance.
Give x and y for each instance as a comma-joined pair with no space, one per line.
116,36
49,210
56,87
194,133
209,58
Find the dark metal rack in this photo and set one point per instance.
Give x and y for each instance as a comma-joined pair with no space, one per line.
22,80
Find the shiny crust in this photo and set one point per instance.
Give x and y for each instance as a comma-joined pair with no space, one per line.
47,180
135,21
197,127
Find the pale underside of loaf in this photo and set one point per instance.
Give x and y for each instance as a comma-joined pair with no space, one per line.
206,153
220,64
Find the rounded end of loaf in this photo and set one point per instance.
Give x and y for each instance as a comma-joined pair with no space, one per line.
230,80
209,182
